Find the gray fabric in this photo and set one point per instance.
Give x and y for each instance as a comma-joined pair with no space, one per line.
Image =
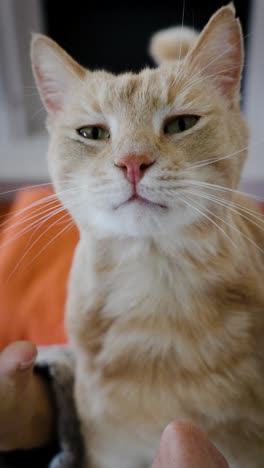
57,363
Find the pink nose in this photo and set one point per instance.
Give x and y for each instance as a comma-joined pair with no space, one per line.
134,166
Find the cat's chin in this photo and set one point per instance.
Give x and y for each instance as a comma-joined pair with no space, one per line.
140,219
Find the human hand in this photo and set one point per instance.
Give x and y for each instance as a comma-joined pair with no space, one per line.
26,416
183,445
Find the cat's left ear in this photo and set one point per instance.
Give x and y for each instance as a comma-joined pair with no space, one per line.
219,53
55,72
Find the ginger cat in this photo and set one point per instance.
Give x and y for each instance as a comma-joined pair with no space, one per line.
165,310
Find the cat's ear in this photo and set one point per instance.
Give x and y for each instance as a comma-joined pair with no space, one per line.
219,53
54,70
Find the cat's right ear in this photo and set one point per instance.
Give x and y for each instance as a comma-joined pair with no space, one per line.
218,54
54,70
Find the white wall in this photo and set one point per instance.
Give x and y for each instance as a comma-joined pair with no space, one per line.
23,140
254,103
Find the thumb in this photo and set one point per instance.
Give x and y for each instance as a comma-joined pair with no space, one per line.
17,357
183,445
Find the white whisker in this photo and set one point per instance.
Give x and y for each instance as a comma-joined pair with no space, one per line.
65,229
226,204
36,214
190,84
37,203
252,213
34,243
44,184
183,13
31,226
217,159
232,226
200,71
226,189
210,219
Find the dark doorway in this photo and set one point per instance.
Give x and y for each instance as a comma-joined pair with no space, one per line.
115,35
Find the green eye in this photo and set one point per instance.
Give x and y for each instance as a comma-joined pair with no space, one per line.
180,124
94,133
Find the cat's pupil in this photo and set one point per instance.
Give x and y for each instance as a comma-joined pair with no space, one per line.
182,124
95,133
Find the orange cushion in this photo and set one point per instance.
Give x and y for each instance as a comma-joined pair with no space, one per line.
35,258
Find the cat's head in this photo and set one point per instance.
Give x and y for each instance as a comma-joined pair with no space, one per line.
130,154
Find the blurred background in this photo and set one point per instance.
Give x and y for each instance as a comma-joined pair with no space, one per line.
111,35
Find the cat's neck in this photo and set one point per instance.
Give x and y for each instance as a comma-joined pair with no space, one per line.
118,280
191,245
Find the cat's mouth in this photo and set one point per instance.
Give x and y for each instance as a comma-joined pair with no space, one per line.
137,199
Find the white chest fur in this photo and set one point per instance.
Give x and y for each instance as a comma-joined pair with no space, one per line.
142,355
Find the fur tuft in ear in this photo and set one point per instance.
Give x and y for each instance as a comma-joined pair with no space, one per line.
172,44
219,53
54,71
